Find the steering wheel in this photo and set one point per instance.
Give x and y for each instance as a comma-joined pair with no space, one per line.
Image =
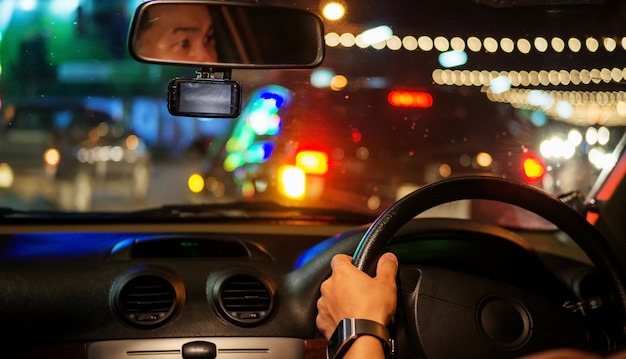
450,312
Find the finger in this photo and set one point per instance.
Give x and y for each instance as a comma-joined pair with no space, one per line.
324,287
320,304
387,267
340,259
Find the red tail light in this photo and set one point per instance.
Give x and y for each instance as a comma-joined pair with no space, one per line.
410,99
533,168
312,162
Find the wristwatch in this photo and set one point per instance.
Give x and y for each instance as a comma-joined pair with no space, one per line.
349,329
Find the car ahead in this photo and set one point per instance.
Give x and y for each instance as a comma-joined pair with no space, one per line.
482,142
65,150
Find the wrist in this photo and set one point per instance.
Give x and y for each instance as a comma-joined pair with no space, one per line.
366,346
350,329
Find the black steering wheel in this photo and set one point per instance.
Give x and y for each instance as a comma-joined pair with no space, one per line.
447,311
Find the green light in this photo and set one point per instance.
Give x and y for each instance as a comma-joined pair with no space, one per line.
233,161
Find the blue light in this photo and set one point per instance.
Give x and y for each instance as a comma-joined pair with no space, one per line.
564,109
538,118
51,246
312,252
453,58
28,5
377,82
259,152
64,7
278,99
500,84
540,98
321,78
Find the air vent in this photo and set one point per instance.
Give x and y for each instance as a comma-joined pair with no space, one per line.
147,301
245,300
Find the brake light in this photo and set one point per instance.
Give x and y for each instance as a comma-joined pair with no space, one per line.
312,162
417,99
533,168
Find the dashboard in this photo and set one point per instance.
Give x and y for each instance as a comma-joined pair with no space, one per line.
232,288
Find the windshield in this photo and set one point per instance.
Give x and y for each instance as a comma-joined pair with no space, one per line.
409,93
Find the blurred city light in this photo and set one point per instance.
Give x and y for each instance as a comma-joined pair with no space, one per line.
538,118
533,168
52,157
490,44
195,183
441,44
474,44
557,148
457,44
425,43
445,170
293,182
507,45
373,202
604,135
452,58
600,159
524,46
6,175
259,152
347,39
591,136
312,162
338,82
558,44
574,44
541,44
540,98
64,7
483,159
564,109
332,39
409,43
27,5
333,11
377,34
500,84
417,99
394,43
592,44
575,137
609,44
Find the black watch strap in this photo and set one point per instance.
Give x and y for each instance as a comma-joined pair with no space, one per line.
351,328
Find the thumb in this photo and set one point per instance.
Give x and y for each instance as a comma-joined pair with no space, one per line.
387,267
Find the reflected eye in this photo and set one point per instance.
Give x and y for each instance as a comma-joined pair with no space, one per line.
209,39
185,44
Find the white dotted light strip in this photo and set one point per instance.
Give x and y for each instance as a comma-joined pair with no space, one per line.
475,44
588,108
529,78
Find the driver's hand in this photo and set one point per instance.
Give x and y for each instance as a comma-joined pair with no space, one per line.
350,293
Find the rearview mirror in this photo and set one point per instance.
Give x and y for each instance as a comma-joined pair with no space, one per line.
218,34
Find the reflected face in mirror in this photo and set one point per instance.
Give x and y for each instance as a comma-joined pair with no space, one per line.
177,32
